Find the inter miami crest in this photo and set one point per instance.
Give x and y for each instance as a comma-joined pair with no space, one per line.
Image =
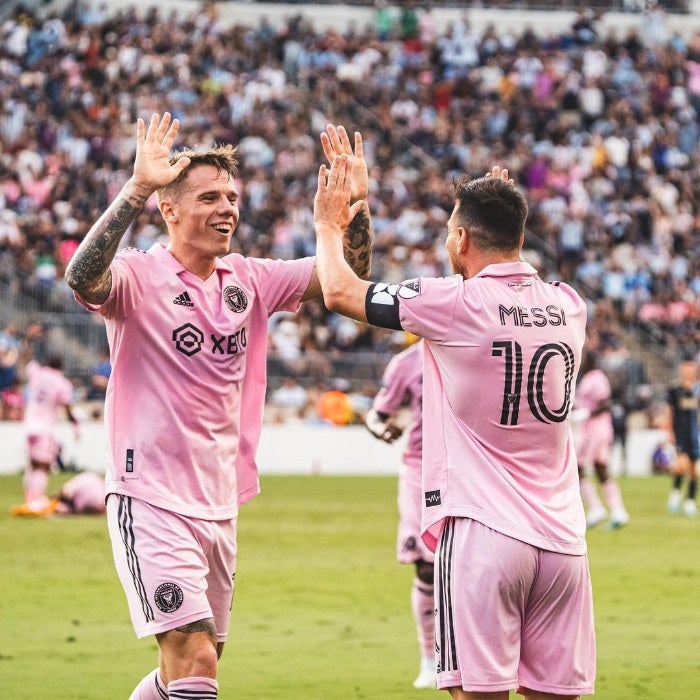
235,299
168,597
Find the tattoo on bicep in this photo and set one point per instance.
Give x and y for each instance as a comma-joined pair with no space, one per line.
358,239
89,268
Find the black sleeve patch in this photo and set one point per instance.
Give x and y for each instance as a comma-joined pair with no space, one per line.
382,306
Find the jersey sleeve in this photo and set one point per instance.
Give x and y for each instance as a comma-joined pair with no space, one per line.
393,390
424,306
65,395
129,280
280,283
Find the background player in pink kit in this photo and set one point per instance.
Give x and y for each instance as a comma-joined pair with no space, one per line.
48,392
82,494
594,442
502,506
402,384
187,329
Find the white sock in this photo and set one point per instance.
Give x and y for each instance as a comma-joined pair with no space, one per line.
150,688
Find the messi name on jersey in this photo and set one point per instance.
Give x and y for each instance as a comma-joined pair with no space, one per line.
550,315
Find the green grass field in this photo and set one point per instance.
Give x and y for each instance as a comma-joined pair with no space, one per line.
321,608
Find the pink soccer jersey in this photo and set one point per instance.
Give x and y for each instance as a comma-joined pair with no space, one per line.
508,459
86,492
48,390
185,400
403,382
595,435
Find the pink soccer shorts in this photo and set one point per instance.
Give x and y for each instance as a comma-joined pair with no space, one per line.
510,615
409,545
174,569
593,445
43,448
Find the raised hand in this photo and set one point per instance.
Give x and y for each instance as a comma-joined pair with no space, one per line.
152,168
336,142
503,174
332,208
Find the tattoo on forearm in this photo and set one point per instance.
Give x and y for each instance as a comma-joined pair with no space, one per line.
89,268
357,244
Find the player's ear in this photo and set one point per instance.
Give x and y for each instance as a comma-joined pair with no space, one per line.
167,211
463,240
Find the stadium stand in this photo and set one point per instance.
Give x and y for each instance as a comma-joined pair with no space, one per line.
598,124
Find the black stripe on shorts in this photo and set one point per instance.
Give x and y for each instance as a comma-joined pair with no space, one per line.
126,529
448,652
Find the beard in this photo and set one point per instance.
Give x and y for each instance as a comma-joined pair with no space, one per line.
456,265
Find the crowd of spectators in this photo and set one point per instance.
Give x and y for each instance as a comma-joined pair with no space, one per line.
601,131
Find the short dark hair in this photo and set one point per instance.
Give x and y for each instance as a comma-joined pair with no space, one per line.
493,211
54,361
222,157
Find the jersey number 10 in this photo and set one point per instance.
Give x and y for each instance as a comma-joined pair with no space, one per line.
512,353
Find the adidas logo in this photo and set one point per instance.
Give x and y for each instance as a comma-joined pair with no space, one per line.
183,300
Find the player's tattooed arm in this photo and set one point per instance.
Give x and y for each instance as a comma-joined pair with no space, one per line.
357,244
88,271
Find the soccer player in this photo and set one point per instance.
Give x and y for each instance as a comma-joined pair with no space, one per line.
684,402
502,508
402,385
83,494
594,442
187,329
48,392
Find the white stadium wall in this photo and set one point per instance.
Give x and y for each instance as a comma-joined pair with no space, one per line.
296,448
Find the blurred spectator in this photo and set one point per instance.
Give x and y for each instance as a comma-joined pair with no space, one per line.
288,401
10,346
334,405
12,401
600,131
99,378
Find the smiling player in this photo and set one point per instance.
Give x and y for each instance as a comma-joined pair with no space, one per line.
187,328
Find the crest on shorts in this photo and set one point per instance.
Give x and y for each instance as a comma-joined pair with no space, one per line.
168,597
235,299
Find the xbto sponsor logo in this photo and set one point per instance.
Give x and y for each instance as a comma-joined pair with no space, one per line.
189,340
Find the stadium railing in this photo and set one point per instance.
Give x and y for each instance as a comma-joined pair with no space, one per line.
679,6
